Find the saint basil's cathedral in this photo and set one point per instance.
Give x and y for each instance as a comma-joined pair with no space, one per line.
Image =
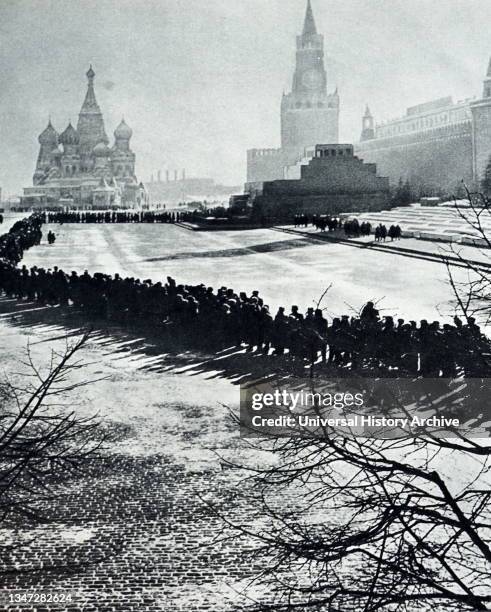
79,168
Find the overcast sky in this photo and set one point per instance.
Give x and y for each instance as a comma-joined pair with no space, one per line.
200,81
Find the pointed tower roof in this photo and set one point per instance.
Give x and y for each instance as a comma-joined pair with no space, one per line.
367,112
90,121
309,28
90,103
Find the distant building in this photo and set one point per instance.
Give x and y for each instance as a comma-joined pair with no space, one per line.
309,114
77,167
186,189
333,181
435,145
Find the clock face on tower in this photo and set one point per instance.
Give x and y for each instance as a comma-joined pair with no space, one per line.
312,79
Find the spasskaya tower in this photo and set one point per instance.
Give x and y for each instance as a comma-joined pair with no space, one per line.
309,115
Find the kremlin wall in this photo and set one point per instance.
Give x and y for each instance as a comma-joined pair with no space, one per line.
435,146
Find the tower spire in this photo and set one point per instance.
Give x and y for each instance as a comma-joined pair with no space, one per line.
90,103
90,121
368,128
309,28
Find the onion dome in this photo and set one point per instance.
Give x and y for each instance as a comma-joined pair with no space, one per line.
123,131
101,150
70,136
49,136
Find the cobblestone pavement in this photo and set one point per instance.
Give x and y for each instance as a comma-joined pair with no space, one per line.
134,535
136,530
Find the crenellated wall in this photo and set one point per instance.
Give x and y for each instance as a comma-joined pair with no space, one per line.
265,164
436,146
432,161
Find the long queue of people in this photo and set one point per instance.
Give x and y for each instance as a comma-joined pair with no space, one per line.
225,318
108,216
23,234
351,227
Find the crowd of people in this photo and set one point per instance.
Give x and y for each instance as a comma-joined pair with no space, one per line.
21,236
112,216
225,318
324,223
351,227
302,220
394,233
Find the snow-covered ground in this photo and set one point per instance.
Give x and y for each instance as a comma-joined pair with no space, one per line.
444,221
172,409
285,269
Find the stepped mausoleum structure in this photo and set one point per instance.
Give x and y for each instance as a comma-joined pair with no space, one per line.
333,181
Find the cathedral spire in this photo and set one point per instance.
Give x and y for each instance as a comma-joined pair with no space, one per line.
90,103
90,121
309,28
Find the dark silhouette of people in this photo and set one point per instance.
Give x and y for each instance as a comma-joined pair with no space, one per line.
224,318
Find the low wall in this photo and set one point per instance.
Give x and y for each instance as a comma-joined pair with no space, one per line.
330,204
